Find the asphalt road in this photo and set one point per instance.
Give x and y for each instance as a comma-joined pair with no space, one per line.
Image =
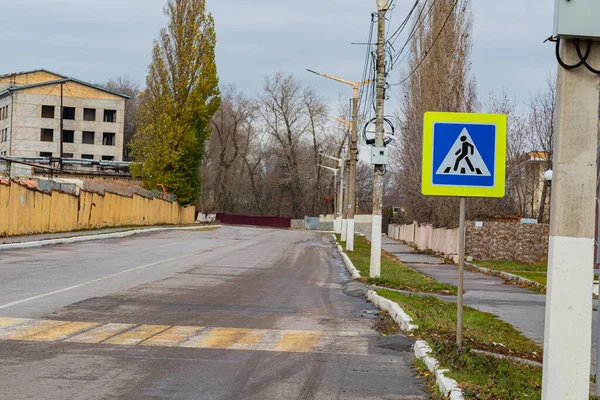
236,313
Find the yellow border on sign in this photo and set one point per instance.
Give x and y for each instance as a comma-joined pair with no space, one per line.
427,186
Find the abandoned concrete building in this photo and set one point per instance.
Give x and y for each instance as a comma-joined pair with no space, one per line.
30,117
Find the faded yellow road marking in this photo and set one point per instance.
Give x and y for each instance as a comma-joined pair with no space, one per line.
4,322
183,336
30,328
99,334
137,335
299,341
172,336
224,338
59,333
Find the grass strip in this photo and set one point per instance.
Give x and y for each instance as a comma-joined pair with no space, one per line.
537,272
394,274
480,376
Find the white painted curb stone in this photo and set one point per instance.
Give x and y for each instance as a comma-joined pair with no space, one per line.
447,386
101,236
350,267
347,262
397,313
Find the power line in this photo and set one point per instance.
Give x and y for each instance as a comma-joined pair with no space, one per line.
412,34
430,47
392,39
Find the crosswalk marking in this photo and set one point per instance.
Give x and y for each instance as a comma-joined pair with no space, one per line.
193,337
299,341
224,338
59,333
172,336
137,335
30,328
100,333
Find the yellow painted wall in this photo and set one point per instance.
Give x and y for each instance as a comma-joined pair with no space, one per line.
26,211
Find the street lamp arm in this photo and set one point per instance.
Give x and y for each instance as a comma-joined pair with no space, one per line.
341,121
335,170
333,158
355,85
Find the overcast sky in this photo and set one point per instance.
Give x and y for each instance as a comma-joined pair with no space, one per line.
95,40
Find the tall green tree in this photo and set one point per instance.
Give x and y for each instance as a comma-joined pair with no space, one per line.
181,97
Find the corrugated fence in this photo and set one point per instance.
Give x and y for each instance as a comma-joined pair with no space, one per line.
27,210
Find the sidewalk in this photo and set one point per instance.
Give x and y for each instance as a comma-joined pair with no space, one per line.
519,307
61,235
523,309
37,240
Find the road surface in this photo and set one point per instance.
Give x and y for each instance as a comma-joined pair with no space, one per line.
235,313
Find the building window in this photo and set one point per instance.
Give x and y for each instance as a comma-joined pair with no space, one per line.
108,139
45,154
89,114
108,158
68,136
87,156
87,137
67,155
47,135
68,112
47,111
110,116
4,135
3,154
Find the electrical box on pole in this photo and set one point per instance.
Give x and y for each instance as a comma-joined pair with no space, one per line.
577,19
379,155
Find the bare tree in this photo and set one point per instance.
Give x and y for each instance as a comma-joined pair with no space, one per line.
439,79
125,85
540,123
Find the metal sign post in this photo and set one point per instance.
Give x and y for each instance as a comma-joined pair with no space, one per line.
464,155
461,271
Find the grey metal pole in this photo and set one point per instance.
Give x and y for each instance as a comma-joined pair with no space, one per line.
461,270
375,265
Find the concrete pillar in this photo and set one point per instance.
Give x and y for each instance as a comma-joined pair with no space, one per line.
567,338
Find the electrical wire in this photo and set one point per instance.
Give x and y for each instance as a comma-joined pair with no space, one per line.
581,57
430,47
584,58
392,39
417,25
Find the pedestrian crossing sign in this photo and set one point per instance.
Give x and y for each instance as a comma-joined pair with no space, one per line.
464,155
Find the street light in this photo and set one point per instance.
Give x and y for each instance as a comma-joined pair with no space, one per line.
339,226
349,205
336,206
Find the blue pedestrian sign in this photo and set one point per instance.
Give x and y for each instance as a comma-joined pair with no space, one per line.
464,155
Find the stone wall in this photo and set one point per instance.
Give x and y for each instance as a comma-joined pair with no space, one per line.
490,241
508,241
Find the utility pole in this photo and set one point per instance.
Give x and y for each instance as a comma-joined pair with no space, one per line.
353,156
375,267
567,338
339,202
344,163
61,126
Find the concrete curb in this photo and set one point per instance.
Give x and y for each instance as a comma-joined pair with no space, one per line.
448,387
504,275
100,236
394,309
347,262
